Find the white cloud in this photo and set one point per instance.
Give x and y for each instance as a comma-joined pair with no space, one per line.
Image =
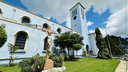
91,31
59,9
89,23
117,23
68,22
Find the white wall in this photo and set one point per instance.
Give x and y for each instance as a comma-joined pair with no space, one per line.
36,37
93,43
35,42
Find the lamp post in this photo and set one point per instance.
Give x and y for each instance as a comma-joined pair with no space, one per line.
108,43
14,10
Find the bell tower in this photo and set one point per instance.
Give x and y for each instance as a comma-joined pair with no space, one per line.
78,23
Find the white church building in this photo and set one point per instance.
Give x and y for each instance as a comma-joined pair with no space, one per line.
27,31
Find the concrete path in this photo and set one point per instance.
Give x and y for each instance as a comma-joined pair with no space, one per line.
122,66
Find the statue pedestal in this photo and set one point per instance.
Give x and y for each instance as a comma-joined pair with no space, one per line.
48,64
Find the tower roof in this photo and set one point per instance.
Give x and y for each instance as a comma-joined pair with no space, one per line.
78,4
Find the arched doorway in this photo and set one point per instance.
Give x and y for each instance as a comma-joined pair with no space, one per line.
45,43
87,49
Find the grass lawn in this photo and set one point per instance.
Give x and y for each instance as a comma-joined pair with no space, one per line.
82,65
91,65
9,69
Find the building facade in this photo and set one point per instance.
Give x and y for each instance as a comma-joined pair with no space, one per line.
92,41
28,31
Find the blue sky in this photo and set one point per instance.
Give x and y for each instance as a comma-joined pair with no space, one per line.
16,3
107,14
97,19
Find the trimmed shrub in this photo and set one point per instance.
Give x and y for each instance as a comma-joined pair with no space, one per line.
57,61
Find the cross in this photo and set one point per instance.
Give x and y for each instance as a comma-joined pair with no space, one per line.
49,40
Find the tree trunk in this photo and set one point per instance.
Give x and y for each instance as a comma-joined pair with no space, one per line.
68,53
73,53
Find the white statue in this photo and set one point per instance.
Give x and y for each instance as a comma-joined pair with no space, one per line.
49,40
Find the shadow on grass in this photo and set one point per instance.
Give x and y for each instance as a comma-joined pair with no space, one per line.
71,59
1,71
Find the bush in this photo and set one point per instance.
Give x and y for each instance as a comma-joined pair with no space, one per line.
3,36
91,52
41,62
34,64
25,65
57,61
84,53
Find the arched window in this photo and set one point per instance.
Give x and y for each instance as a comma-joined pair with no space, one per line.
21,39
25,19
45,25
1,12
59,30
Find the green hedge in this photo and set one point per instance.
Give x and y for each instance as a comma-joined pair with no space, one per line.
36,63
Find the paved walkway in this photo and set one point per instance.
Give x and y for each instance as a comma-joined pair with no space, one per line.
122,66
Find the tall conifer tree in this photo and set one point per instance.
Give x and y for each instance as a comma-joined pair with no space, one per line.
100,42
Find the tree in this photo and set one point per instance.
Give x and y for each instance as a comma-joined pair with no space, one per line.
66,40
61,40
12,49
77,47
119,41
3,36
76,40
104,52
115,49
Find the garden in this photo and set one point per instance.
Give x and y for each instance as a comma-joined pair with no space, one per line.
81,65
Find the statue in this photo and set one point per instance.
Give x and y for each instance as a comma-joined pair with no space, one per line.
48,62
49,40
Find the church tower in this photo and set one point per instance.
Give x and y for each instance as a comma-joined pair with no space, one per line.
78,23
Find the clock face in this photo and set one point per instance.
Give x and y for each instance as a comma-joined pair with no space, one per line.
74,17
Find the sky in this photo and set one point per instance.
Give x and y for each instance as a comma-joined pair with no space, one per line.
110,16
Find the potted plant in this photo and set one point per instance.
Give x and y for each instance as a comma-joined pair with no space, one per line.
84,53
91,52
